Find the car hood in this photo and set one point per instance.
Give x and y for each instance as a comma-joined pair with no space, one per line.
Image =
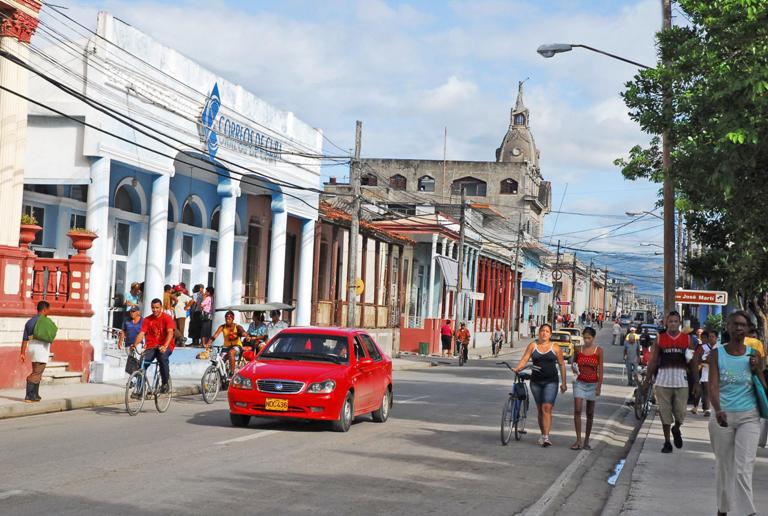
305,371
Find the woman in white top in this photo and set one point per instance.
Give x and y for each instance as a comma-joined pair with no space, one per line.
701,362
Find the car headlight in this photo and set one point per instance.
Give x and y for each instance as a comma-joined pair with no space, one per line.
241,382
322,387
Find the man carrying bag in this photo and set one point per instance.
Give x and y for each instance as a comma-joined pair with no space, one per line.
39,333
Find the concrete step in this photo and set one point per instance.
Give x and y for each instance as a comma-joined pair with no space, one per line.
56,366
62,377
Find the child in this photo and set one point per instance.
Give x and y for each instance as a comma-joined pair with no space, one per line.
588,366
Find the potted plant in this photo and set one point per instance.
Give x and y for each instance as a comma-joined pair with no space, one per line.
82,239
28,230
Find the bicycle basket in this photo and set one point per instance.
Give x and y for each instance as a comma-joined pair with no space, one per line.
132,364
520,391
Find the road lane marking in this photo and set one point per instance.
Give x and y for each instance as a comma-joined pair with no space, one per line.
410,400
7,494
248,437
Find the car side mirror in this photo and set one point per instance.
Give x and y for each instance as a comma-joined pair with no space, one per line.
364,361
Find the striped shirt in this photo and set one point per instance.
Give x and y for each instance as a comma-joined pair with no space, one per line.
672,370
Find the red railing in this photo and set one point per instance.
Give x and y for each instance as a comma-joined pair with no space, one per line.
64,283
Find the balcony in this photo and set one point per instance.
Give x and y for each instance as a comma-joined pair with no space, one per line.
64,284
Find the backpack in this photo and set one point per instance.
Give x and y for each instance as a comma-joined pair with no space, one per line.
45,329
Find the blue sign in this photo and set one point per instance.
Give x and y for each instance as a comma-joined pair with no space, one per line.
227,132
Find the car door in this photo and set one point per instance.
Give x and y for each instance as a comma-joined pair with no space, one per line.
363,378
380,378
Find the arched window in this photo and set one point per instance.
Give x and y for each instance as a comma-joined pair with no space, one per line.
472,187
426,184
193,212
215,219
398,182
508,187
369,180
519,119
125,201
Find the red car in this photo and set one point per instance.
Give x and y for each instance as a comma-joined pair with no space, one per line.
328,374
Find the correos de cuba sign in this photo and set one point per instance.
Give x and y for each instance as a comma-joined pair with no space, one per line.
222,131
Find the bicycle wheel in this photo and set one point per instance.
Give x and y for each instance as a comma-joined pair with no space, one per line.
639,403
210,384
507,418
648,402
135,392
163,399
522,414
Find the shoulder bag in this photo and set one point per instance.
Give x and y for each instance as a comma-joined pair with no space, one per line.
762,398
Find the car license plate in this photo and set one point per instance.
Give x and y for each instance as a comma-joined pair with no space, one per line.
276,404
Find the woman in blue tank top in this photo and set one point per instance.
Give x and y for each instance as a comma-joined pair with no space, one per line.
546,358
734,428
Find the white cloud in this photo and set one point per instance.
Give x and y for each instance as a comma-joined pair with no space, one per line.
449,94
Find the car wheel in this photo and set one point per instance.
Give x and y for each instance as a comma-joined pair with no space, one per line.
346,415
381,414
239,420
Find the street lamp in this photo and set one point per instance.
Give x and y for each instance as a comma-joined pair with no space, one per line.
638,213
666,154
558,48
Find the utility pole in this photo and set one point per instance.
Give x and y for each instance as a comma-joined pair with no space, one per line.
557,275
354,229
515,302
605,294
573,289
669,187
460,259
589,288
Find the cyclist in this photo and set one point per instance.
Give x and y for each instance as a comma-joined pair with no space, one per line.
157,334
232,333
546,358
462,339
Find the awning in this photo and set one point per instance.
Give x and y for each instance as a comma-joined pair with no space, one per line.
538,287
450,270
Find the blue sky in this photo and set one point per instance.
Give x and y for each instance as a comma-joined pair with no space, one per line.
409,69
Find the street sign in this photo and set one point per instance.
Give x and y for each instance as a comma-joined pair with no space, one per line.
563,303
701,297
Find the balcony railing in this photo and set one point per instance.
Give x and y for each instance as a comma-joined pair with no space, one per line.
63,283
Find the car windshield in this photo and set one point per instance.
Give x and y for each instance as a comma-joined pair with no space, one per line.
572,331
560,337
302,346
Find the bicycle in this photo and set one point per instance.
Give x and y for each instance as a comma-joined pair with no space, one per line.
146,382
463,353
515,410
216,377
643,399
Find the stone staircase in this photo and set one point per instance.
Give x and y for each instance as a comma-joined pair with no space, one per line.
58,373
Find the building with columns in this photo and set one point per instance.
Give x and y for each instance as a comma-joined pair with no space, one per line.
208,185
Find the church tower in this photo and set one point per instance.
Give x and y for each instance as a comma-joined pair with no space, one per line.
518,145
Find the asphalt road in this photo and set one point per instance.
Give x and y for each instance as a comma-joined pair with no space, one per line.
438,454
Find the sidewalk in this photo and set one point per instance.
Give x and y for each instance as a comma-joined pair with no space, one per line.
682,482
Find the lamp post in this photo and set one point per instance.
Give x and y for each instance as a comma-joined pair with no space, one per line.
666,153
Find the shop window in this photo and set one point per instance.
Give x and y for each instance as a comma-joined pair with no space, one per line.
508,187
472,187
213,253
398,182
426,184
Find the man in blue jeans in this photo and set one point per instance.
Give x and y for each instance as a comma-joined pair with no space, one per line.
157,331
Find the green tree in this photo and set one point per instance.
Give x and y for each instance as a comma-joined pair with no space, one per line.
716,69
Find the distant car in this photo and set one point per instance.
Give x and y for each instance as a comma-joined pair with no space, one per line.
563,339
327,374
653,333
576,337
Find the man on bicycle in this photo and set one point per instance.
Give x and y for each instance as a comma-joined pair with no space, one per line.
462,339
157,332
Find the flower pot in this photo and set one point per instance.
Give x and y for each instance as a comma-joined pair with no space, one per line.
27,234
81,241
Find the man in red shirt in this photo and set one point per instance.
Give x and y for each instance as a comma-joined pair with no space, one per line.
157,330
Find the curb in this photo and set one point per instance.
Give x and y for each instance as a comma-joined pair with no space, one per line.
620,493
412,365
78,402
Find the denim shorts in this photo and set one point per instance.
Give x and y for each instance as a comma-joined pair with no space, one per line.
544,392
584,390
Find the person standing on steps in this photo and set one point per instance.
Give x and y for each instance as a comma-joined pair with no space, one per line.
734,430
36,348
446,335
588,366
668,364
546,358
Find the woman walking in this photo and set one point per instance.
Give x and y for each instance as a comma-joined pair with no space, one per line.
588,366
544,378
735,428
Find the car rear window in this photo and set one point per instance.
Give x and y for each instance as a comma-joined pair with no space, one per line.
560,337
305,346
